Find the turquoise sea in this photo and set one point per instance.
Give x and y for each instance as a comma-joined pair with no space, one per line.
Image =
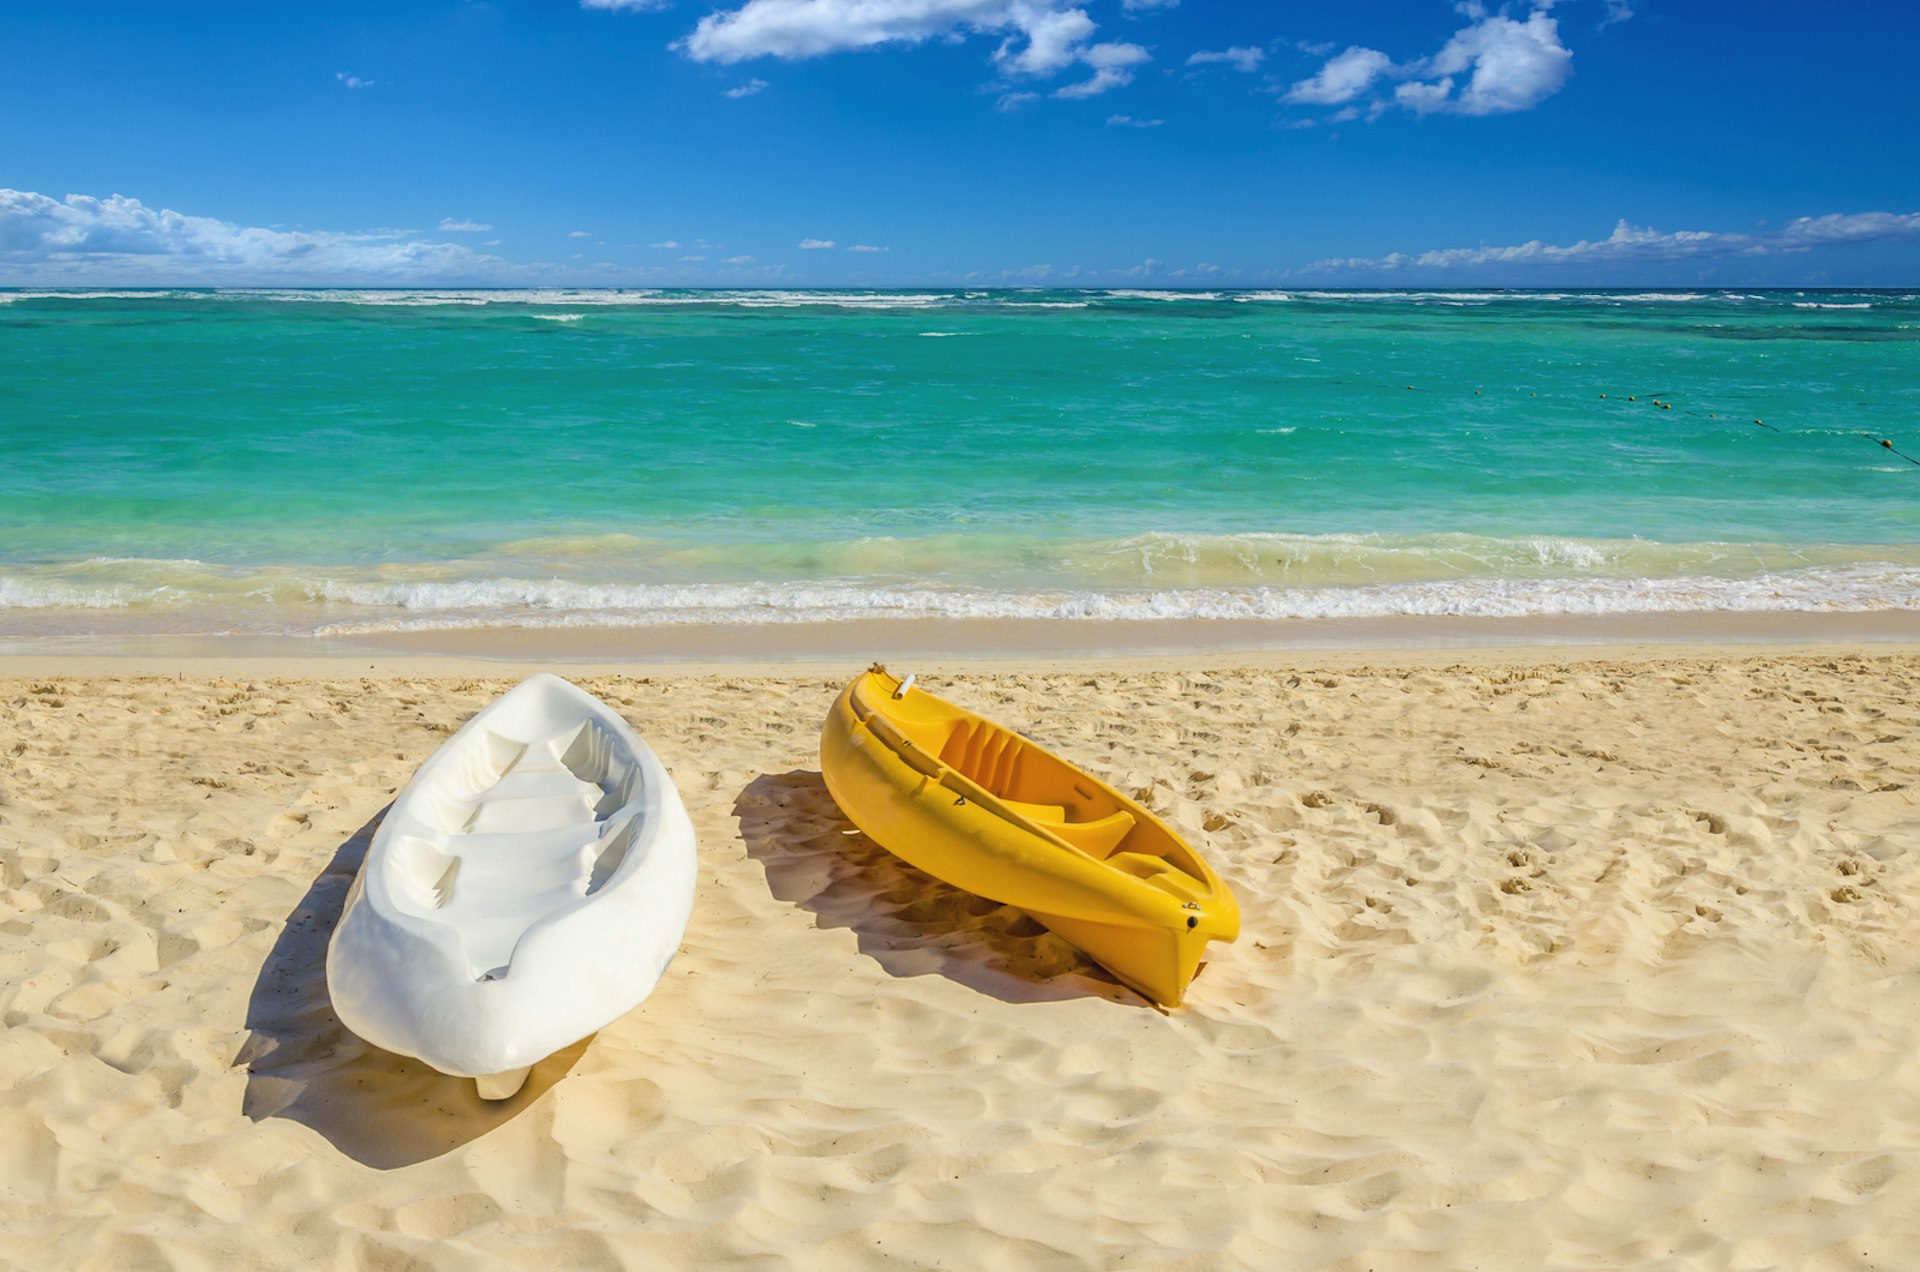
318,462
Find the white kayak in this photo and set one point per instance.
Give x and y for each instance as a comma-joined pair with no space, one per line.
526,889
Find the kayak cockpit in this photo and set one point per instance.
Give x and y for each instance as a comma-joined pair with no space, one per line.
1034,785
523,828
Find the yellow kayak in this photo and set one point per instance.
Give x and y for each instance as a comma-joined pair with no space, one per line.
974,803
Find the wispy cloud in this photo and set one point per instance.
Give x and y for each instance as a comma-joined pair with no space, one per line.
1040,38
1496,65
121,240
1617,11
668,245
1243,58
1344,77
353,81
1635,244
1128,121
463,226
578,234
625,6
747,89
815,245
1112,68
866,247
738,260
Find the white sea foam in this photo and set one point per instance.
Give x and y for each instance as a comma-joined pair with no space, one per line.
1143,293
83,294
1821,304
1574,580
531,603
1652,296
560,317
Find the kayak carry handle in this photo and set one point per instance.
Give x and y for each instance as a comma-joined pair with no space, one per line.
900,744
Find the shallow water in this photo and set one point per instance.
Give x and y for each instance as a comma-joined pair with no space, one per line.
325,462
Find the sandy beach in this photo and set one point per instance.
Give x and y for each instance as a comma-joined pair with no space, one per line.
1552,959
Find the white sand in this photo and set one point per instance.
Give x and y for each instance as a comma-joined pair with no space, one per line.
1546,964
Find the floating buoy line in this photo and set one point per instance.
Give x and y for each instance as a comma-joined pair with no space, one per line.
1665,403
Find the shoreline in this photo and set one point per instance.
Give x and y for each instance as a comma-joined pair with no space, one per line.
991,644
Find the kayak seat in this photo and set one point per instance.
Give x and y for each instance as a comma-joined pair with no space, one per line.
1038,812
1159,872
1099,837
1096,838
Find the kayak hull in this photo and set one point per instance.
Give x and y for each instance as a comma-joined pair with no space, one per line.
984,809
527,888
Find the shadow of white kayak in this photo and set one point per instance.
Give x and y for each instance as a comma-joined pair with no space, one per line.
528,888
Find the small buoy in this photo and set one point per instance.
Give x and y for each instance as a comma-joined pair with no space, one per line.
1632,398
1603,395
1712,416
1887,442
1409,386
1666,406
1476,393
1759,421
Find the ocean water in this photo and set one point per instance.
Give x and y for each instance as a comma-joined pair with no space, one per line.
309,463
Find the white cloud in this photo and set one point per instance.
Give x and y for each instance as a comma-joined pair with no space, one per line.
1135,6
353,81
738,260
1422,99
1617,11
815,245
1243,57
693,258
1128,121
1112,68
625,6
1040,38
1630,244
670,245
1495,66
747,89
1053,42
1145,267
578,234
117,239
1514,65
1014,101
1344,77
463,226
866,247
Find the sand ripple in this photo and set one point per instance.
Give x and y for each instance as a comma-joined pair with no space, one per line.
1553,964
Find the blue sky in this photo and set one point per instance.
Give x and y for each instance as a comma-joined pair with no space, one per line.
944,142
